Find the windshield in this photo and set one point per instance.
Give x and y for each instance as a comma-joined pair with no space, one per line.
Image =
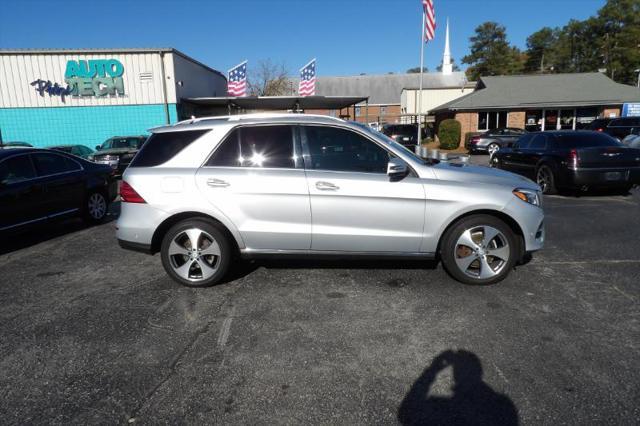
122,143
389,141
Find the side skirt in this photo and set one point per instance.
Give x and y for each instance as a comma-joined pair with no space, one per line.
329,254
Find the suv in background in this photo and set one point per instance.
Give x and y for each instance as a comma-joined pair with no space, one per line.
201,192
118,152
620,128
493,140
599,124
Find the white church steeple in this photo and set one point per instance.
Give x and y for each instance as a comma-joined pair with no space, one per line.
447,66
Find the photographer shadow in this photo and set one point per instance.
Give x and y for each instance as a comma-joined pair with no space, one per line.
473,401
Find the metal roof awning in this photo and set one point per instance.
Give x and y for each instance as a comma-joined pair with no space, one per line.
280,103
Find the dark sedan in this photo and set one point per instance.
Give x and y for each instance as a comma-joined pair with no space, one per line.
38,185
493,140
572,160
405,134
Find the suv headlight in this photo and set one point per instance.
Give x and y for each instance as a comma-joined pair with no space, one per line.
529,196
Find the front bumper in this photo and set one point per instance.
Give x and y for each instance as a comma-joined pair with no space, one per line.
531,221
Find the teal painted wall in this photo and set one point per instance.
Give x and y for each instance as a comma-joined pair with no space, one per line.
90,126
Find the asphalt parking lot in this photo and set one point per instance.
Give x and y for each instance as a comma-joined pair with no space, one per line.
94,334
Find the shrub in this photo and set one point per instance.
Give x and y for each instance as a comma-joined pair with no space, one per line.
449,134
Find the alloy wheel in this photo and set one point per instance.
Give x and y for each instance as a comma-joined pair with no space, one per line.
194,254
97,206
493,148
482,252
543,179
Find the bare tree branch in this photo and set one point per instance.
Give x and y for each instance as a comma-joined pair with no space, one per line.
269,79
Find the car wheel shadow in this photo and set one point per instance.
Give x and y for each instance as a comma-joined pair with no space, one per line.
244,267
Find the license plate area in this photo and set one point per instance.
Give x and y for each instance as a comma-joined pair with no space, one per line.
613,176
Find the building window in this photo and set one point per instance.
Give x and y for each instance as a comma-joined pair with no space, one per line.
383,110
492,120
584,116
358,111
533,121
332,113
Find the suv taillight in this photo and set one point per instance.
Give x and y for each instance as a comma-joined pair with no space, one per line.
573,159
129,195
475,139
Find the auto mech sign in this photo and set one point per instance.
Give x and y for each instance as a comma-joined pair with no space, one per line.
95,77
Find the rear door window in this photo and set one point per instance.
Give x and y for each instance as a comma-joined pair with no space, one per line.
256,146
52,164
16,169
523,142
162,147
538,143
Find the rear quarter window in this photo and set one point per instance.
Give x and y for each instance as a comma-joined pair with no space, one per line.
585,140
162,147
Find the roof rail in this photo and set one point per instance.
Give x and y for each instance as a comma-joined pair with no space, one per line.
240,117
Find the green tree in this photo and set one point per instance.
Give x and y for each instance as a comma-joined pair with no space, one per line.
620,21
491,53
416,70
541,49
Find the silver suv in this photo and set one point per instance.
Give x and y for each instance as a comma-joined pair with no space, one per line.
203,191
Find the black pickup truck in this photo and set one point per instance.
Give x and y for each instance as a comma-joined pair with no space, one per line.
118,152
572,160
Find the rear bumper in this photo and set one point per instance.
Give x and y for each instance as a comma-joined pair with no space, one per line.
602,177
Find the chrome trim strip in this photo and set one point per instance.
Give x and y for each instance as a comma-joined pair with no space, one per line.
250,251
611,169
23,223
63,213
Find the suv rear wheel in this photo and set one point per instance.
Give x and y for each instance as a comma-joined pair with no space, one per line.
196,253
479,249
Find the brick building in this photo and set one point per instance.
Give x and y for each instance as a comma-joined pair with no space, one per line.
538,102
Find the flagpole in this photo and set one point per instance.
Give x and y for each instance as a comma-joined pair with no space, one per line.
422,29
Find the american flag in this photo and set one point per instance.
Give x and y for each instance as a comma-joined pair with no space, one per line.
237,85
307,86
429,21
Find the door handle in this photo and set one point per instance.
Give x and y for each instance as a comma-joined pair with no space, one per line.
217,183
326,186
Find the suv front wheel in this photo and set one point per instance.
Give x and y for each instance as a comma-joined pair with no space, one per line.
196,253
479,249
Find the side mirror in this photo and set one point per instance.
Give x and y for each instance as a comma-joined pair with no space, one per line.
97,147
397,169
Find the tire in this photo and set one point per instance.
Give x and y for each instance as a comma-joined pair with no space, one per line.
493,148
96,207
473,262
203,266
546,180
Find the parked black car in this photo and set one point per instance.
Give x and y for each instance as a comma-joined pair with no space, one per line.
599,124
37,185
15,144
572,160
118,151
494,140
79,150
405,134
620,128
